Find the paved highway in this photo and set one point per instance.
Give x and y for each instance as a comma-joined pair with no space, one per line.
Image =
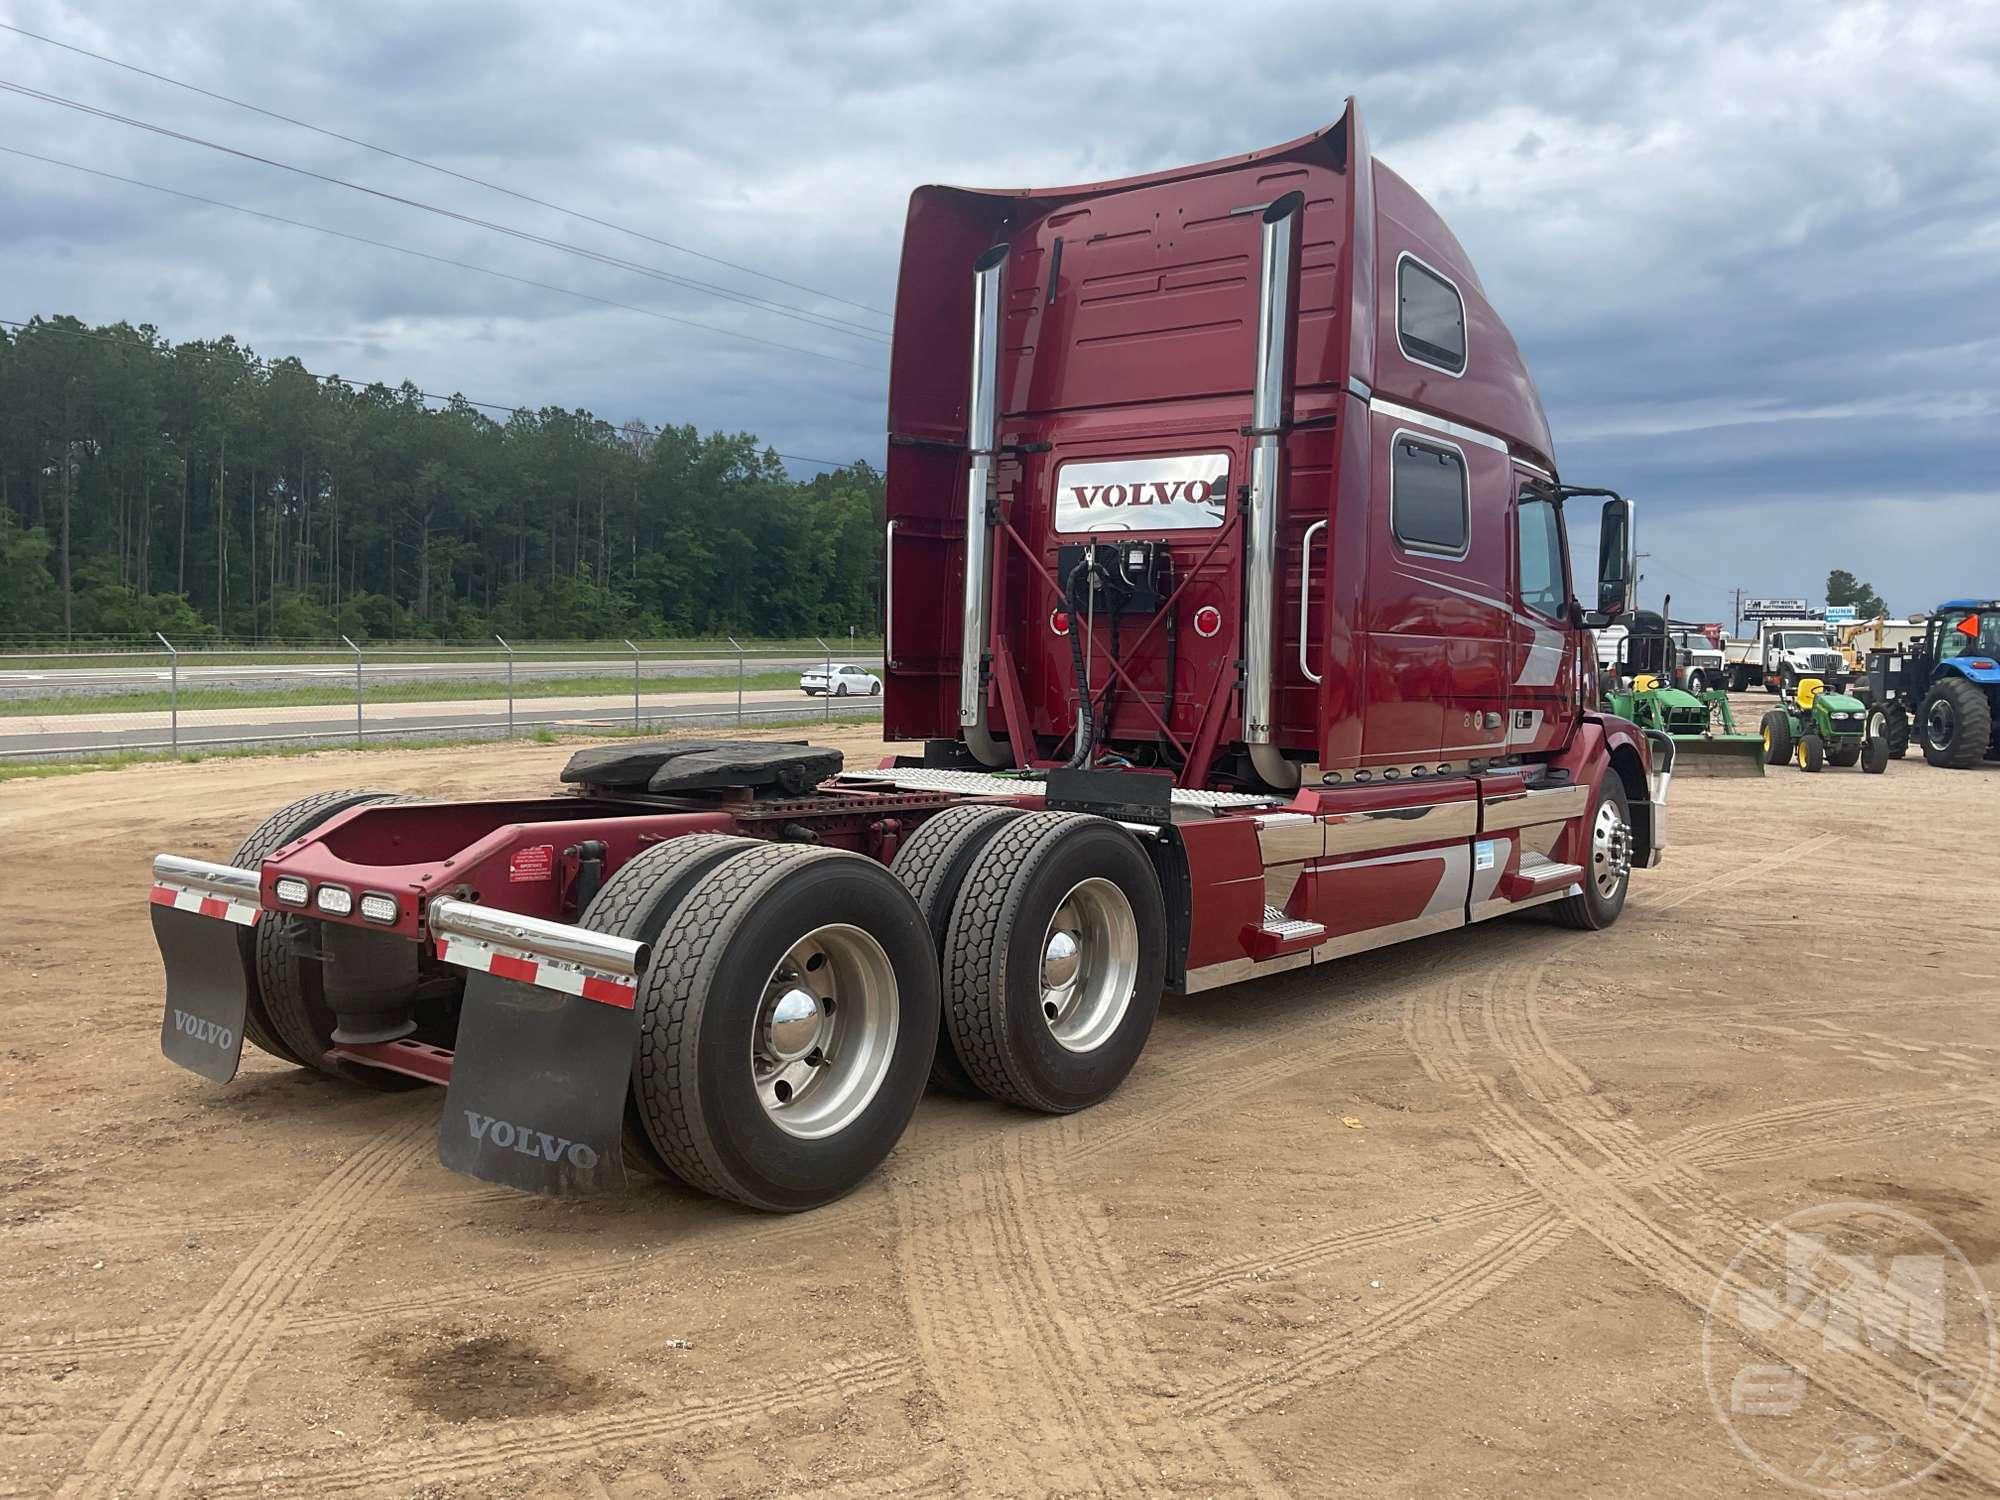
150,674
334,723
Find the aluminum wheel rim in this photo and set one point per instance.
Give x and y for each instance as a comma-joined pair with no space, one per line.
1089,964
1610,850
825,1033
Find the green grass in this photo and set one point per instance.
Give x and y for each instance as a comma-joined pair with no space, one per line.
118,760
46,656
337,692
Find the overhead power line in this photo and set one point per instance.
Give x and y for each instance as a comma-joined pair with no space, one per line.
260,363
443,260
783,310
431,166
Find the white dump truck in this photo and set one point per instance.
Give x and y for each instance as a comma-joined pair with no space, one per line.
1782,653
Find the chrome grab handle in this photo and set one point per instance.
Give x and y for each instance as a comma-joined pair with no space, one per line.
1305,595
888,594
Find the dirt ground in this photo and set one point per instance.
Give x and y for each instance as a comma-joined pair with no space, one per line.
1438,1220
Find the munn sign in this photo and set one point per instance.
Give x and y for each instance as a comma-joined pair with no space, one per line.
1179,493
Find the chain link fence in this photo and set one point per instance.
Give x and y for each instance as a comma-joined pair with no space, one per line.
169,699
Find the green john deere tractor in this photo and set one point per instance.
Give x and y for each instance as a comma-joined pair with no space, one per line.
1646,687
1817,727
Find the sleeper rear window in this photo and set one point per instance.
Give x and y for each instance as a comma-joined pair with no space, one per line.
1430,317
1427,499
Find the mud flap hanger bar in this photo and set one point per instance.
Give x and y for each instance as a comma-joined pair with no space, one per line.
539,1072
209,890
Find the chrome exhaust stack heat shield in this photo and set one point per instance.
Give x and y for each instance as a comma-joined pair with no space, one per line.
981,439
1270,411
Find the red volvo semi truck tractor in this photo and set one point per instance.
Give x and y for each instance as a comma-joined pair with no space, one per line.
1228,591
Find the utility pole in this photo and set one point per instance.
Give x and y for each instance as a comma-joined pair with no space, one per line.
1638,557
1737,628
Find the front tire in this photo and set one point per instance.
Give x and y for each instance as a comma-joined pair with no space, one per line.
1958,724
1811,753
788,1023
1896,731
1697,683
1874,751
1607,876
1055,961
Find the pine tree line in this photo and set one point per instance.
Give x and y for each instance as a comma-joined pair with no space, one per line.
197,490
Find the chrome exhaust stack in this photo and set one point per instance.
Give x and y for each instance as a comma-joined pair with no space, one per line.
1270,411
982,440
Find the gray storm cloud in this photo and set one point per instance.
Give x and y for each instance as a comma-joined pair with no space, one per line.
1749,251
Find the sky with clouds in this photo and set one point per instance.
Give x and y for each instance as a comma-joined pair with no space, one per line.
1751,251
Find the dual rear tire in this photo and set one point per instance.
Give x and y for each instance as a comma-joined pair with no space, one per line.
799,998
787,1021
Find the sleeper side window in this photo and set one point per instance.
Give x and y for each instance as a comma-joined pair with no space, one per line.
1428,507
1430,317
1540,557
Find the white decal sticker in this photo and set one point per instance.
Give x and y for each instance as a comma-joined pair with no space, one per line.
1482,854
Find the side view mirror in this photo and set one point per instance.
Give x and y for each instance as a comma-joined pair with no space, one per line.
1617,562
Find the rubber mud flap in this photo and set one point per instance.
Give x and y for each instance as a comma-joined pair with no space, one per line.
208,992
537,1095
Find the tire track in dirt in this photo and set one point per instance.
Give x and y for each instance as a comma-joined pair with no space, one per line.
1522,1238
1074,1258
182,1401
990,1341
1238,1268
506,1447
58,1231
1606,1210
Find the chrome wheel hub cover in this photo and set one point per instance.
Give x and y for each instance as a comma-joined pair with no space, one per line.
825,1034
1089,964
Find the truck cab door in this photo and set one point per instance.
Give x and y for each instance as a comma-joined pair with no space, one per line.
1542,699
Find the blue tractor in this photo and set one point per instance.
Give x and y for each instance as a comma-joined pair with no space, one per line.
1948,687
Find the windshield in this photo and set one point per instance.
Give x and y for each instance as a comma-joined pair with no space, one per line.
1971,634
1799,640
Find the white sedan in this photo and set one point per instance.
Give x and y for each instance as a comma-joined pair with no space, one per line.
840,681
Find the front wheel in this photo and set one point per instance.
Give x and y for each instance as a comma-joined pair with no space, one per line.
1697,683
1811,753
1607,875
875,688
1895,730
1874,750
